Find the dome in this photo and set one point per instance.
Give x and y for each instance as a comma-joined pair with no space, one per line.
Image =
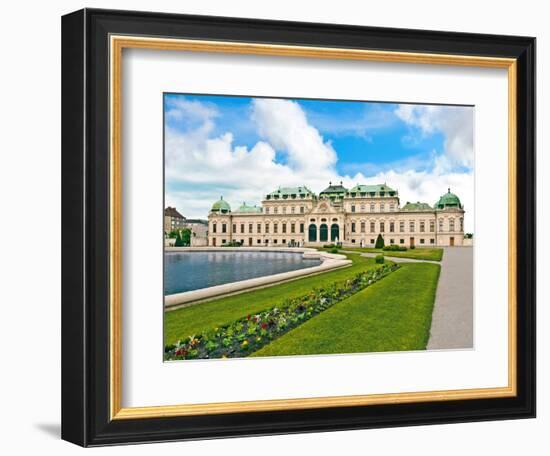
221,206
448,200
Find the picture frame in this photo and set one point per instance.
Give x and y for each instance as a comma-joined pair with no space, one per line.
92,45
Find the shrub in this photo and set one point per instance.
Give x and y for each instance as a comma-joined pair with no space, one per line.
379,242
379,259
395,248
232,244
412,247
331,246
334,250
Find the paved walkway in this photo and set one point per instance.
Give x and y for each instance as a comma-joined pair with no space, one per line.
453,314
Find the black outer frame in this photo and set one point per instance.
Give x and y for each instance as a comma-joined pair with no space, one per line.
85,227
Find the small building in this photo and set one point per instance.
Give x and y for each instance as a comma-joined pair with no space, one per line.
173,220
199,232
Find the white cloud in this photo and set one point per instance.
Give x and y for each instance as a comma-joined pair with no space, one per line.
455,122
201,166
284,124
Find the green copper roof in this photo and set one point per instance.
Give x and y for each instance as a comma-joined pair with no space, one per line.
448,200
221,206
290,192
418,206
334,190
245,208
376,189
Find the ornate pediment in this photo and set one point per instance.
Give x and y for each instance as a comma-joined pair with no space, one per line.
325,207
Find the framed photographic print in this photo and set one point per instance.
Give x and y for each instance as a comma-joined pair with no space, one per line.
279,227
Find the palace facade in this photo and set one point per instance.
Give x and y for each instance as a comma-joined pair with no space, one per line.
354,217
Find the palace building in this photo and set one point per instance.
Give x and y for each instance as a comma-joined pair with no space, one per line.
295,216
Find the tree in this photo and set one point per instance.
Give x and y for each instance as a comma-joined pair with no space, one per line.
186,236
183,237
379,242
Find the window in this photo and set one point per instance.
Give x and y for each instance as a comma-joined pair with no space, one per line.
284,227
302,209
432,226
224,228
401,241
451,224
214,227
422,241
292,209
274,241
392,207
267,210
223,241
250,227
267,228
353,227
392,241
301,227
461,224
422,226
392,227
372,241
372,228
353,241
401,226
275,227
275,210
382,207
381,227
372,207
284,241
362,208
284,210
292,228
258,241
362,227
440,224
432,241
234,228
352,208
259,228
411,226
242,227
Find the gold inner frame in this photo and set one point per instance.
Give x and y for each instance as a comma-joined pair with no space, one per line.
117,44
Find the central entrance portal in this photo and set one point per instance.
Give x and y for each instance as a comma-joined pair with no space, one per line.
334,232
312,233
323,233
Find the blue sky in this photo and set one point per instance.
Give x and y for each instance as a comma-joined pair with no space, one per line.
244,147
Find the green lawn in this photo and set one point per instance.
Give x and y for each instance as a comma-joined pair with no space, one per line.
394,314
420,253
181,323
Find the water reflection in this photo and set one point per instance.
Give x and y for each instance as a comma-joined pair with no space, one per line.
186,271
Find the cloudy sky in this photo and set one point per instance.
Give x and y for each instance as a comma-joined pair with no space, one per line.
243,148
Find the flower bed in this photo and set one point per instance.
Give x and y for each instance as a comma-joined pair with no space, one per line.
251,333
